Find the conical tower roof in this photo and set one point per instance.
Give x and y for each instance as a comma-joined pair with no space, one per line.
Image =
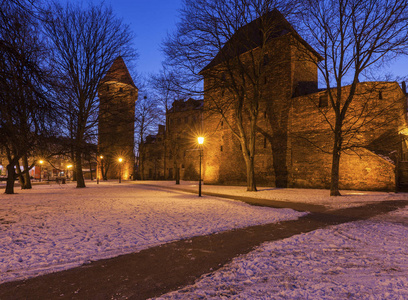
118,72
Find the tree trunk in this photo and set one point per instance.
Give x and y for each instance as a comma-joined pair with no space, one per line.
177,169
20,175
90,169
335,171
134,173
26,173
250,167
10,179
278,117
78,171
279,152
105,173
103,176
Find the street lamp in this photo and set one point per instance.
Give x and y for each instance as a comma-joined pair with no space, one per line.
68,167
97,168
120,169
200,140
41,163
101,157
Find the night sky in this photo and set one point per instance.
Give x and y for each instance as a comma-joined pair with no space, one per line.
151,20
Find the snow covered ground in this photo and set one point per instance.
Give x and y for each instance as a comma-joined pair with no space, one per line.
55,227
358,260
51,228
349,198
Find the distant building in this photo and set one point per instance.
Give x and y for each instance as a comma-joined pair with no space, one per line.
152,156
118,95
173,151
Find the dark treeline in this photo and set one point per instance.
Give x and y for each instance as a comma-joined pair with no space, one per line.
53,58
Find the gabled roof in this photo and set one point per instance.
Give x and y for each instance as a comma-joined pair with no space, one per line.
118,72
248,37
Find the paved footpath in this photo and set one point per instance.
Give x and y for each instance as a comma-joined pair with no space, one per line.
155,271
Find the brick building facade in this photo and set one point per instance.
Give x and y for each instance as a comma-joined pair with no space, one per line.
294,139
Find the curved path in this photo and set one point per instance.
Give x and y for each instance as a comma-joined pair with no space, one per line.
161,269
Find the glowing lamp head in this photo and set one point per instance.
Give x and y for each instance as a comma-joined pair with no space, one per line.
101,157
41,162
120,159
200,140
404,131
69,166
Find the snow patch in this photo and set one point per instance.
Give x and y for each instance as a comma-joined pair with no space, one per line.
52,228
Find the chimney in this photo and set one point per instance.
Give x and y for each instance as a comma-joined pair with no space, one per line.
404,87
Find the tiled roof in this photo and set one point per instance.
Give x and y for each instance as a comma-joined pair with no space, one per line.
118,72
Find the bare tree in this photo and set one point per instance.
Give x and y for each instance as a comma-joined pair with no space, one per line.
148,116
353,37
166,88
225,42
25,113
85,43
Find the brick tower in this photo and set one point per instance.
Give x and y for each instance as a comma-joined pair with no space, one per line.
118,94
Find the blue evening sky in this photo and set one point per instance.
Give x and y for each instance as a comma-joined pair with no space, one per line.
151,20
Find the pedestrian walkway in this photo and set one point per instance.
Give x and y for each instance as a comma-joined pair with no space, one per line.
312,200
161,269
299,206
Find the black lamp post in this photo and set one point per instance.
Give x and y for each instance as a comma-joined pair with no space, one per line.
120,169
98,168
200,145
41,164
